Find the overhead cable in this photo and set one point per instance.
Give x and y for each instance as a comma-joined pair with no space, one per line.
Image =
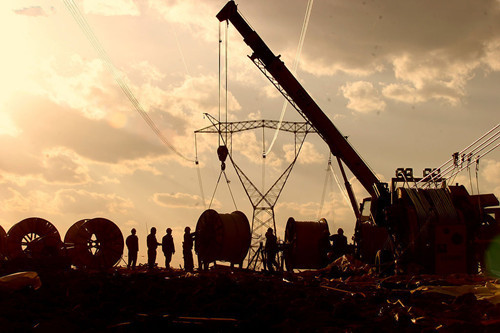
295,65
87,30
461,160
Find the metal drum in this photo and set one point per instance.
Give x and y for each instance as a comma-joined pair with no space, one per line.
33,237
305,244
95,244
224,237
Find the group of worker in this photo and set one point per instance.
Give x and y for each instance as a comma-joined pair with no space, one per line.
167,246
332,251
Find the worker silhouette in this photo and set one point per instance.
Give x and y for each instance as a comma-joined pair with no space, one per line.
168,248
271,249
187,247
133,247
339,244
152,245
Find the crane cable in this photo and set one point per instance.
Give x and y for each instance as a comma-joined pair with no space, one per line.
219,131
87,30
327,177
298,53
331,171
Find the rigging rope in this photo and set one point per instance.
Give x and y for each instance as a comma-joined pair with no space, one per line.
298,53
331,171
230,191
88,32
327,177
215,189
342,190
228,186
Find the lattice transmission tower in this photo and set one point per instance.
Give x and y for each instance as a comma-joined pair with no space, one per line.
263,202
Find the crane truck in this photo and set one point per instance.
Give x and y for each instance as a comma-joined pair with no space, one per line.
434,230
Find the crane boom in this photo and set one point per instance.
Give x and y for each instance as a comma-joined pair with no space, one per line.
306,105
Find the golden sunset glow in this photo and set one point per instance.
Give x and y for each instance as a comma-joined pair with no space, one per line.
408,84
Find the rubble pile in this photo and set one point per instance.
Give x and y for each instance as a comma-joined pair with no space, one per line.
223,300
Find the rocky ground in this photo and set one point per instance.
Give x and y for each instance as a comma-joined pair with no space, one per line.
221,300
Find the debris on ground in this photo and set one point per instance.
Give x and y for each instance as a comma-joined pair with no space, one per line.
224,300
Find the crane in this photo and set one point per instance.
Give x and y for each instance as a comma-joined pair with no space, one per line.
434,230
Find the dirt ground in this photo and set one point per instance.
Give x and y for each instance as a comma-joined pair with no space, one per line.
221,300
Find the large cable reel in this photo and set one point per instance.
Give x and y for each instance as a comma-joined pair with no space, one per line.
33,238
94,244
3,243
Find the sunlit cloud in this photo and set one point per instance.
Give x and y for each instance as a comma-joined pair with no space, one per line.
363,97
83,85
34,11
492,57
180,200
67,201
111,7
32,201
307,155
490,172
87,203
62,166
191,14
402,92
435,61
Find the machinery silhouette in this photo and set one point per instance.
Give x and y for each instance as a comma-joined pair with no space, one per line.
421,228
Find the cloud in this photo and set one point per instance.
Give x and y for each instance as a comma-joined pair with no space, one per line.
111,7
34,11
33,201
87,203
492,57
434,77
431,50
62,166
300,211
490,172
178,200
403,93
363,97
175,108
66,201
92,139
308,154
84,85
190,13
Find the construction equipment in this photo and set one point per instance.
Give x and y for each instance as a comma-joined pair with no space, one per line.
223,237
431,230
94,243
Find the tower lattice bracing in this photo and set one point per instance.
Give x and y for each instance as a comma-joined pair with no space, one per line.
262,201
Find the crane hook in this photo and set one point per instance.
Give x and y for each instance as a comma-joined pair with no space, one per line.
222,152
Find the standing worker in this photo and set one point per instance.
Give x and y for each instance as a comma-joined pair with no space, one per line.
187,247
339,244
271,249
152,245
133,247
168,248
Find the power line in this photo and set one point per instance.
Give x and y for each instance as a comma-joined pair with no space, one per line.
88,32
305,24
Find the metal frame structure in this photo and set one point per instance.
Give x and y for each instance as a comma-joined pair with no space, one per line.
262,203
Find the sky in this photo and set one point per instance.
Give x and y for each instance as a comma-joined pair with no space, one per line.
409,82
